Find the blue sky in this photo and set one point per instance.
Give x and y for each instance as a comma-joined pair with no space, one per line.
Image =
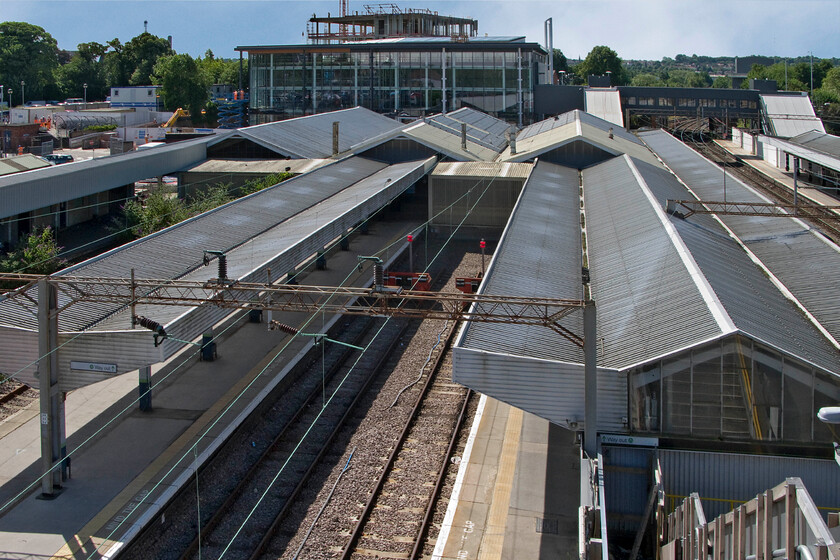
635,29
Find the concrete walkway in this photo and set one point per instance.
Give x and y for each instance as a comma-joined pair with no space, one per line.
517,491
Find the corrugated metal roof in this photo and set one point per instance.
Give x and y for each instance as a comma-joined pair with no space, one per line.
481,128
604,104
801,259
484,169
481,120
16,164
175,251
539,255
312,136
650,298
327,210
30,190
790,115
256,165
576,125
820,141
448,143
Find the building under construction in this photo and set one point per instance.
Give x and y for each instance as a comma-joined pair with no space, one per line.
380,21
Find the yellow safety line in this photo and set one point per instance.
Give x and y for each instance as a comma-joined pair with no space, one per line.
494,532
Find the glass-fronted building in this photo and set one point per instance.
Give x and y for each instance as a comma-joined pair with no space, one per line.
408,76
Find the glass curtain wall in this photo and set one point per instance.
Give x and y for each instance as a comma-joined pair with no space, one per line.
733,389
295,84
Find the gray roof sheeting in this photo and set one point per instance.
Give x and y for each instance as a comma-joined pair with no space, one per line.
492,137
30,190
175,251
651,299
447,142
310,137
802,260
539,255
790,115
548,135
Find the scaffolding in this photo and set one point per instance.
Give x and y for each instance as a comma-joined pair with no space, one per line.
380,21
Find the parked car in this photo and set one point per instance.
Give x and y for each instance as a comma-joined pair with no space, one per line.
70,100
56,159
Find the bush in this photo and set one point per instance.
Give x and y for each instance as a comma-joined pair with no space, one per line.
101,127
37,254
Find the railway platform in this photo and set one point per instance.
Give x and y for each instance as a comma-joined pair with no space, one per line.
126,463
517,490
784,177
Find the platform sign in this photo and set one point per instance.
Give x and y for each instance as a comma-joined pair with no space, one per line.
93,367
619,439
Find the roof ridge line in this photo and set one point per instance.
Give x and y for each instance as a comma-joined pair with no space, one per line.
713,303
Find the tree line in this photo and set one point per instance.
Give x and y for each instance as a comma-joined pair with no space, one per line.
29,54
672,73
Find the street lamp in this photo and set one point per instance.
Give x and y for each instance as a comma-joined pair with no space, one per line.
85,87
10,104
831,415
22,83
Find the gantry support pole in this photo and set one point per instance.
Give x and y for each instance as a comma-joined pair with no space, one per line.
590,371
52,405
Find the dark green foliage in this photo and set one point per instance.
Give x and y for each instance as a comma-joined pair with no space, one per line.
28,54
184,85
37,254
598,62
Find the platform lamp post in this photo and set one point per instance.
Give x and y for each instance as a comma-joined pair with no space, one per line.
482,244
22,102
84,86
831,416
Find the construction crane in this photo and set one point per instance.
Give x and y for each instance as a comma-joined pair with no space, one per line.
343,11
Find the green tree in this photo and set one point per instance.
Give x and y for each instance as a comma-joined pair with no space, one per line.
646,79
560,61
722,82
687,78
28,54
831,81
37,254
598,62
183,84
133,63
86,67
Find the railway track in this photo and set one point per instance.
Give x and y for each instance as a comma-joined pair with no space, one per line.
826,220
398,513
256,495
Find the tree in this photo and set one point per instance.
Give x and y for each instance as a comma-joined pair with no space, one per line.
722,82
560,61
646,80
133,63
38,254
84,68
28,54
687,78
598,62
183,85
831,82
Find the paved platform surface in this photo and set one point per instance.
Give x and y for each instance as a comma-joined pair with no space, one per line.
517,492
785,177
125,462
